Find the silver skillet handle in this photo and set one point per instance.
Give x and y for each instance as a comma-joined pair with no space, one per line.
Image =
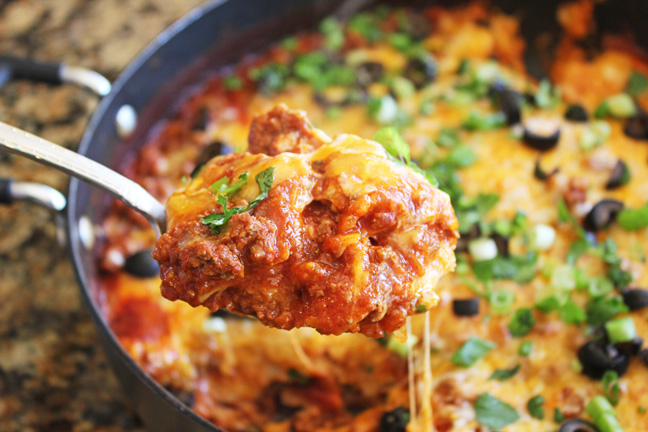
25,144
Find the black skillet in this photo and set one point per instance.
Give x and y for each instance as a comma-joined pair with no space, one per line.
209,37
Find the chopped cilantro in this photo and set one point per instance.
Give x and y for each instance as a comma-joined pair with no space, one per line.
233,83
637,83
522,322
482,122
393,142
534,406
525,348
461,156
420,308
634,219
221,186
600,311
559,417
401,41
504,374
571,313
448,137
470,211
494,413
270,78
471,351
563,212
576,249
641,409
333,33
217,221
367,25
521,269
611,388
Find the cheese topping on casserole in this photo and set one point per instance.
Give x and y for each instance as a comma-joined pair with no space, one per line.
542,326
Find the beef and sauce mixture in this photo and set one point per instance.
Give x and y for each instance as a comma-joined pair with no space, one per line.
540,328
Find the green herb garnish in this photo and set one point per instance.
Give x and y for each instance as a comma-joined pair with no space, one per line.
559,417
600,311
297,377
504,374
471,351
494,413
521,269
547,96
233,83
394,143
611,388
483,122
637,83
571,313
525,348
634,219
217,221
534,405
522,322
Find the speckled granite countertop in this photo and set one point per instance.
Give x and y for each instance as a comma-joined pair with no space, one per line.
53,375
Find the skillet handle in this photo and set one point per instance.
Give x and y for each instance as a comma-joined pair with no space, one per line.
14,68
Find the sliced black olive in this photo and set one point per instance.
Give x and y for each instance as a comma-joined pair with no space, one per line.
630,348
602,214
210,151
637,127
141,264
202,120
421,71
542,175
578,425
540,140
395,420
369,72
597,357
509,101
576,113
502,244
643,355
466,307
620,176
636,298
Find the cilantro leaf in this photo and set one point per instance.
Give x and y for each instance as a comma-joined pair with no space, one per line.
637,83
504,374
483,122
522,322
393,142
217,221
471,351
494,413
634,219
602,310
571,313
521,269
534,405
221,186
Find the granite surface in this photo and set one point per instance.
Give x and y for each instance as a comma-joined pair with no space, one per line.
53,375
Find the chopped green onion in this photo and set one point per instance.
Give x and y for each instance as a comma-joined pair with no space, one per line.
501,301
562,278
534,406
427,107
401,348
542,237
599,287
384,109
547,96
611,388
482,249
333,33
420,308
602,412
461,156
471,351
366,25
621,106
401,41
402,87
634,219
525,348
600,311
621,330
522,322
448,137
493,413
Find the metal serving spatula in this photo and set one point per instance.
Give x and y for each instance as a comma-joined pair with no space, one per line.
25,144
